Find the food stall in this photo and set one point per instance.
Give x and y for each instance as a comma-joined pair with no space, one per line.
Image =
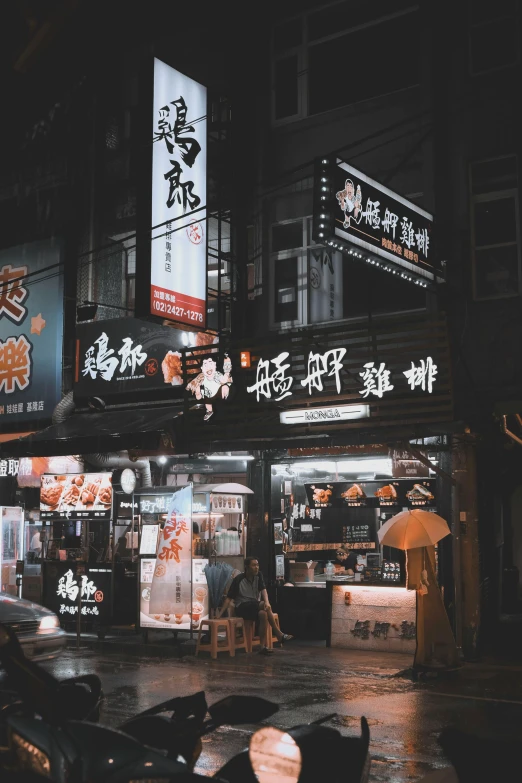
339,583
78,577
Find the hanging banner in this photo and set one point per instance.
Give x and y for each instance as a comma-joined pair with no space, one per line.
178,254
170,593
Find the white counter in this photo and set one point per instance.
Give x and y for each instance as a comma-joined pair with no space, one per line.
371,604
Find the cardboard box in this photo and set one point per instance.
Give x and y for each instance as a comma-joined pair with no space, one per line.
302,572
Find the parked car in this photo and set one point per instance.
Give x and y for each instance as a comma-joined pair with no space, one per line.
37,629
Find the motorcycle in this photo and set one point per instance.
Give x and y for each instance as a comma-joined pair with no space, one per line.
302,754
43,739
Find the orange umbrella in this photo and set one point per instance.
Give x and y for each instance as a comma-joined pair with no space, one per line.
412,529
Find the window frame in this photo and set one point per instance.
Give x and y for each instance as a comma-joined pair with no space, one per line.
303,102
482,198
474,25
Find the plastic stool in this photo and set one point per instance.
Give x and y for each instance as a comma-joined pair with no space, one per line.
237,623
214,626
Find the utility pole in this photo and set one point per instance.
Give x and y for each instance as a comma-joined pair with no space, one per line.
466,546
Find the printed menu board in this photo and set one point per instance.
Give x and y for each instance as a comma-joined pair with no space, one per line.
82,495
396,493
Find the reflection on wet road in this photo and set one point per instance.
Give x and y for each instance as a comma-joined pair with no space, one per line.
404,717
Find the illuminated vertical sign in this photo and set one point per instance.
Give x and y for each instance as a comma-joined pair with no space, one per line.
178,275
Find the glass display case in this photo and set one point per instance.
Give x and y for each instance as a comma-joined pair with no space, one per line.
11,546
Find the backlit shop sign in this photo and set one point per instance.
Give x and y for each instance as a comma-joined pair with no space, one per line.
364,219
330,414
274,381
178,275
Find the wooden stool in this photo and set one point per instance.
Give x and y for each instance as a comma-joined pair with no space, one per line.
270,635
214,626
237,623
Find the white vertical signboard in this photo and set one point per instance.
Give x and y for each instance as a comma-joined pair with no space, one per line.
178,289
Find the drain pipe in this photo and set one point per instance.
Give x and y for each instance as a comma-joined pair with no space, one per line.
65,408
121,460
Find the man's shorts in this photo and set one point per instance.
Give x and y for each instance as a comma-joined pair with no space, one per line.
248,610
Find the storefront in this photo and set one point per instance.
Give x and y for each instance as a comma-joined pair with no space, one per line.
346,429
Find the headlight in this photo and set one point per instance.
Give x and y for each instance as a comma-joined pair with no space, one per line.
48,622
29,756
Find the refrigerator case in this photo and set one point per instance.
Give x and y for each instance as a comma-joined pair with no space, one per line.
11,546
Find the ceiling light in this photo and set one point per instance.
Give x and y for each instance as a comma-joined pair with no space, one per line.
231,457
162,460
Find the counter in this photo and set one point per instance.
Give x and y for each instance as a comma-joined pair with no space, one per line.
371,617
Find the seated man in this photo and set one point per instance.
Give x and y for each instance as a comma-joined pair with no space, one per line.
249,594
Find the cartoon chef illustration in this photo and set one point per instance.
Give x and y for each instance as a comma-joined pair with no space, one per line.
210,383
350,201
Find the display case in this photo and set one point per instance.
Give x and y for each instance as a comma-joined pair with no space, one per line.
11,546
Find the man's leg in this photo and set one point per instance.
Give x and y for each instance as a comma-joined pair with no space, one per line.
271,619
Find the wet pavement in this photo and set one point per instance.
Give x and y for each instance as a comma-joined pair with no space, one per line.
309,681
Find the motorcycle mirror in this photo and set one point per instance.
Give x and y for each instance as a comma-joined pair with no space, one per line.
275,757
241,709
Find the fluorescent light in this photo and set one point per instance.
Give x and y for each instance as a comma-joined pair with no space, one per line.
230,457
215,272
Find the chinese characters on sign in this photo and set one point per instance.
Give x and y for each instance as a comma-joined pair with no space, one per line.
154,504
178,251
30,344
100,360
9,467
373,223
68,589
273,378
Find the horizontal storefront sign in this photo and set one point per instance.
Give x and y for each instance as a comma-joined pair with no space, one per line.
154,504
178,274
274,381
81,496
127,355
364,218
317,415
31,331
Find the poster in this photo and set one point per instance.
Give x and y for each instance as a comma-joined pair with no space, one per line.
280,566
81,496
383,493
278,532
177,621
149,539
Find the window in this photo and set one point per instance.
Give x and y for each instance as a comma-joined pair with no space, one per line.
285,305
494,35
495,228
341,54
313,284
363,64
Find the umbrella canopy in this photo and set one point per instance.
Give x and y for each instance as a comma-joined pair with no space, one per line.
412,529
217,577
232,488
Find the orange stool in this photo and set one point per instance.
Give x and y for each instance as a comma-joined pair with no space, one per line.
238,624
214,627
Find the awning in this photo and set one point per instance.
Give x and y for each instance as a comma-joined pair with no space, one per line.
91,433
